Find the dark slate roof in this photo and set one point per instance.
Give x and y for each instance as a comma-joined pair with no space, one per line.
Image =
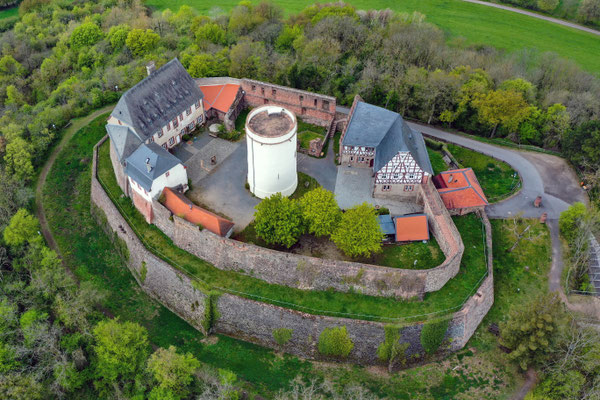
386,224
388,133
158,99
125,140
160,161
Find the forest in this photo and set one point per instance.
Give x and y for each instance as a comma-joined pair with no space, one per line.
62,59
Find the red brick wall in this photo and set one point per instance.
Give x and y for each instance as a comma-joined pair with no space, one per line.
314,108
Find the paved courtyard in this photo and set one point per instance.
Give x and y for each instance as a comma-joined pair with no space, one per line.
355,185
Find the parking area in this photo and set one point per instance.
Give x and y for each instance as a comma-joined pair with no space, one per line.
354,186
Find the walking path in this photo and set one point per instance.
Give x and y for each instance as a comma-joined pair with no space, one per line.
39,205
536,15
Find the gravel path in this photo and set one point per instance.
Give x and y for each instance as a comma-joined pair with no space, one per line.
536,15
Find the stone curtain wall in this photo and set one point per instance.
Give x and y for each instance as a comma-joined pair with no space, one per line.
159,280
311,273
255,321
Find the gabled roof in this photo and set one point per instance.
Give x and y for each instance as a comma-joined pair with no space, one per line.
220,97
157,99
411,228
178,204
125,140
386,224
387,132
459,188
159,160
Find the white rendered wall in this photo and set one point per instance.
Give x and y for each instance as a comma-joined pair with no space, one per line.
177,176
272,160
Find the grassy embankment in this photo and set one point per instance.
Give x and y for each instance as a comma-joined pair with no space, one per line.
477,24
480,372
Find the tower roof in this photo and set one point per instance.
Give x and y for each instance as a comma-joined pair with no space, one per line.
124,139
149,162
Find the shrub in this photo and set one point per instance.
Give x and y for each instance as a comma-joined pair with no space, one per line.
335,342
391,350
282,335
186,137
570,219
432,335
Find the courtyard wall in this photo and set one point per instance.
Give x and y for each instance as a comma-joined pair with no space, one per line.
255,321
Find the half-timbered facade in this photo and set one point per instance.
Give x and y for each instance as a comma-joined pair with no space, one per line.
380,139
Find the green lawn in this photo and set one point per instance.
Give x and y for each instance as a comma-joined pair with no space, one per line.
444,301
9,12
306,136
415,255
475,23
437,162
497,179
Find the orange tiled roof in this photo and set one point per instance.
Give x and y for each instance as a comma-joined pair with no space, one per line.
178,204
411,228
220,97
459,188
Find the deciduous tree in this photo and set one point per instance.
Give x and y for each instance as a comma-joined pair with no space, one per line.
505,107
173,372
23,228
141,42
278,220
320,211
358,233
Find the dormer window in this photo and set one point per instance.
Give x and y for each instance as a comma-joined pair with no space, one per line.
160,133
188,111
175,123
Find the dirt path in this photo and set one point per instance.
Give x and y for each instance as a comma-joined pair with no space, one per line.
76,124
536,15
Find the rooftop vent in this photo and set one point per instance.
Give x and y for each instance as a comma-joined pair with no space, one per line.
450,178
148,166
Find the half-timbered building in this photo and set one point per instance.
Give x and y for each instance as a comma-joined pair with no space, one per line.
381,140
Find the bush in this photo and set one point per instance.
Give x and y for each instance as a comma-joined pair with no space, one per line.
282,335
279,220
335,342
358,233
570,219
391,350
432,335
186,137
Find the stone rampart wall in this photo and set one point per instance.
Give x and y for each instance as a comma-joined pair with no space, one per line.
255,321
311,273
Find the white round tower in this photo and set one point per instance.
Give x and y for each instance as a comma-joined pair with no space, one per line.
271,137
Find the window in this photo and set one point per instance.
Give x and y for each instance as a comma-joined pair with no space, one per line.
362,159
266,101
146,193
151,139
262,90
351,158
383,176
409,188
325,105
301,97
167,174
160,133
197,104
315,102
199,120
396,176
175,123
171,141
188,111
181,117
273,92
303,110
253,88
164,145
386,188
411,176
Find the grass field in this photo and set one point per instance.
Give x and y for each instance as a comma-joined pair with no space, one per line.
479,371
476,23
9,12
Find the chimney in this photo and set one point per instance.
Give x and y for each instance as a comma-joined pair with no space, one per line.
450,178
148,166
150,67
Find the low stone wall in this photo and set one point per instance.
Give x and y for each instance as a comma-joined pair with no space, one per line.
311,273
255,321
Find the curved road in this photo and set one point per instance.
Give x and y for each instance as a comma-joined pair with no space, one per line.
536,15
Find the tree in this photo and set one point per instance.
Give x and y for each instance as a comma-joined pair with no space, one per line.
211,32
531,330
589,11
432,335
520,85
18,159
335,342
247,59
571,219
358,233
561,385
23,228
141,42
320,211
117,36
505,107
556,124
122,350
204,65
391,350
85,34
582,145
173,372
547,5
278,220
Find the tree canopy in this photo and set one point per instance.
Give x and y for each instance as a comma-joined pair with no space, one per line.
358,233
278,220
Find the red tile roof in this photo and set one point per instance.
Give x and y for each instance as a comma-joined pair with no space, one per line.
220,97
459,188
178,204
411,228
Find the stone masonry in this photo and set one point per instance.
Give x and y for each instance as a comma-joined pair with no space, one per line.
255,321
